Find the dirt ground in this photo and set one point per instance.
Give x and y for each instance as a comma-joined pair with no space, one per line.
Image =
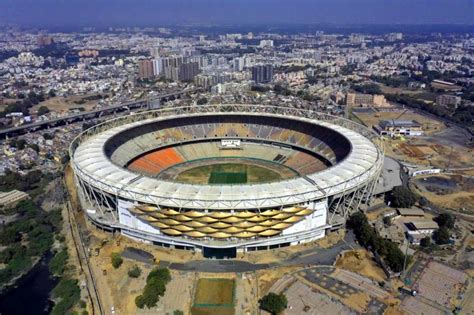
427,152
359,261
430,125
374,215
266,278
65,104
459,196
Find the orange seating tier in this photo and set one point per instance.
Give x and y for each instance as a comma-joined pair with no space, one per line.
156,161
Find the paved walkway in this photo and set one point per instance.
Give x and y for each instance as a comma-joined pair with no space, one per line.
313,256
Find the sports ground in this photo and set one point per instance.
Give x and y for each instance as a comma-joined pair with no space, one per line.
229,173
214,297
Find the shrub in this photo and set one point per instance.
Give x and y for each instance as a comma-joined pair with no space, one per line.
58,262
139,301
67,291
134,272
116,260
43,110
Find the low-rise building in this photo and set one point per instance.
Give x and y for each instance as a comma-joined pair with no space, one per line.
356,99
395,128
11,198
419,229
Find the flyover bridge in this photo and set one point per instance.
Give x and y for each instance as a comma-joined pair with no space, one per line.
148,103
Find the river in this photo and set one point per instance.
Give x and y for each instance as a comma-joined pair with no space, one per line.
31,293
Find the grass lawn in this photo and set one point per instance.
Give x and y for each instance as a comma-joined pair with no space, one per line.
214,297
228,173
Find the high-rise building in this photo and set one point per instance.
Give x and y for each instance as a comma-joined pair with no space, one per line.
187,71
266,43
145,69
44,40
262,73
157,67
239,64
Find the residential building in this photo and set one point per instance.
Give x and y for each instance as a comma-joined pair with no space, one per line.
448,100
262,73
145,69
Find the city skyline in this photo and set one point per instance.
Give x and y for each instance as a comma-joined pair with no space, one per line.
244,12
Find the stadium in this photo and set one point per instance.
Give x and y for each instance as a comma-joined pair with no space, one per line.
223,179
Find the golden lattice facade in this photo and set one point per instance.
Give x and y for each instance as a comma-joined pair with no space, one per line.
220,224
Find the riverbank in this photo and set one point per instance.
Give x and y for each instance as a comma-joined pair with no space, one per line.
13,282
30,294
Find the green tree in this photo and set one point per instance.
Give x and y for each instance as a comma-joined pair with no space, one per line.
178,312
403,197
441,236
425,242
274,303
116,260
445,220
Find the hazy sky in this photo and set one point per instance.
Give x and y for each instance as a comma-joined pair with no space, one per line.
159,12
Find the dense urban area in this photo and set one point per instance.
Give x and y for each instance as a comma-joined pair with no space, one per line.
409,252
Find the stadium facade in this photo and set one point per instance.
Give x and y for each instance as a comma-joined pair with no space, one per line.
128,173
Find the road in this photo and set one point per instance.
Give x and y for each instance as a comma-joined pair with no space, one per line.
83,258
313,256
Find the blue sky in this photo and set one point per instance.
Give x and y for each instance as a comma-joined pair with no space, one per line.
159,12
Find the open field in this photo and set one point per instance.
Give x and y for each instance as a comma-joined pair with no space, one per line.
214,296
228,173
448,191
430,125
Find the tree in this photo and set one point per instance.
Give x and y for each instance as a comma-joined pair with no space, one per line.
134,272
42,110
178,312
48,136
441,236
403,197
274,303
116,260
34,146
445,220
20,144
155,287
425,242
